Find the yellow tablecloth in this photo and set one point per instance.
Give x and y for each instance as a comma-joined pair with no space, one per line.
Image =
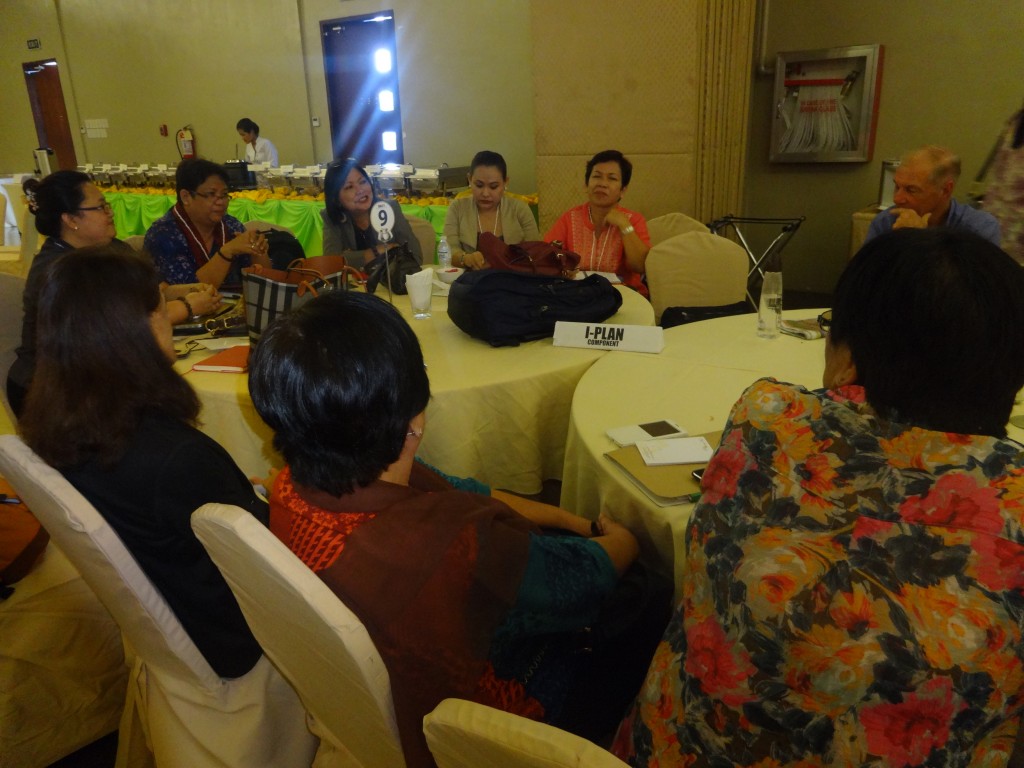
135,212
695,381
497,414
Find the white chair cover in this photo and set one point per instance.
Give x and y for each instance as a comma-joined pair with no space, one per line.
696,269
319,645
135,242
177,708
424,232
254,225
11,289
464,734
661,228
17,259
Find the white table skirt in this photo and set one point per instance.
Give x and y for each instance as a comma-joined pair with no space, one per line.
62,671
695,381
497,414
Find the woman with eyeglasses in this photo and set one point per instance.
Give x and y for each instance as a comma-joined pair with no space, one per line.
197,240
71,212
854,569
349,195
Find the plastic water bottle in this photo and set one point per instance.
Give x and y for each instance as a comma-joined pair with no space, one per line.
769,311
444,254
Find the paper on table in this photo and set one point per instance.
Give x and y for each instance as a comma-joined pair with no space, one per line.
667,485
806,328
675,450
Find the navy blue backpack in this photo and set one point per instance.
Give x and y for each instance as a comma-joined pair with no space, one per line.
506,308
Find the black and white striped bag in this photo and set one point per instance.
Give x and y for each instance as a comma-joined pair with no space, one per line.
272,292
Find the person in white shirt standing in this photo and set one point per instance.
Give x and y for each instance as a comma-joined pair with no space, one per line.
257,150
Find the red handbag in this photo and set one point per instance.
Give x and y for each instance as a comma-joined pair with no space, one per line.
533,256
22,539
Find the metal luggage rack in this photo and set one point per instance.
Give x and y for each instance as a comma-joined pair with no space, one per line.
771,254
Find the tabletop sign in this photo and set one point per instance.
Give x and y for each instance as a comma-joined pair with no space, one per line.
628,338
382,218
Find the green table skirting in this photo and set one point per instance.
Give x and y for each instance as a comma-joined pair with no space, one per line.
134,213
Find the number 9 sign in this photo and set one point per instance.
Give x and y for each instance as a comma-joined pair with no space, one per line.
382,218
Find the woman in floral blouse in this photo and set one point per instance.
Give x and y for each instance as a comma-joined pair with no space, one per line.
853,591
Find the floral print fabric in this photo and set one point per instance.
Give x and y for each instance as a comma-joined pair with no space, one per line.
852,597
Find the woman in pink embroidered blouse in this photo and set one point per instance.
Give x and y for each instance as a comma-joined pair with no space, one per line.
608,237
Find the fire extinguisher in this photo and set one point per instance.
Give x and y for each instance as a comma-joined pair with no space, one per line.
186,143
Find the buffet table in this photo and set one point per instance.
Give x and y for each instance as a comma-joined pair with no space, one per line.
135,212
497,414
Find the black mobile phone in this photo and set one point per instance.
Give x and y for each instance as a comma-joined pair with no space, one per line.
698,474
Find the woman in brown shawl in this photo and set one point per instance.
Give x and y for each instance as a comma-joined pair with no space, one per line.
463,595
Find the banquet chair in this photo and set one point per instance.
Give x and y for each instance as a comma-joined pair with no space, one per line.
11,289
17,259
464,734
661,228
178,711
257,224
319,645
135,242
696,269
424,232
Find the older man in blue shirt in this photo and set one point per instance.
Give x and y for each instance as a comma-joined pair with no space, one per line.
924,197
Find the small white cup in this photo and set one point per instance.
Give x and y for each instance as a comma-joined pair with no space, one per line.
421,288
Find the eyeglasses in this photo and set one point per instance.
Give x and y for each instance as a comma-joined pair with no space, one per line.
104,206
825,320
216,196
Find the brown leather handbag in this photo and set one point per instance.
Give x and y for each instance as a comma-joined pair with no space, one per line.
533,256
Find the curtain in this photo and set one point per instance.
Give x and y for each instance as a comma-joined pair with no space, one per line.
723,104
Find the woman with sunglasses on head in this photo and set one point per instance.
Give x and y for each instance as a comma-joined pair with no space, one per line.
197,240
488,209
349,195
71,212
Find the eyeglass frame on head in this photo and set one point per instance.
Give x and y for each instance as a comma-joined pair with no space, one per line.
825,321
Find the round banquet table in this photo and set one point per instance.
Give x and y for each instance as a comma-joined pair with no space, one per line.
694,381
497,414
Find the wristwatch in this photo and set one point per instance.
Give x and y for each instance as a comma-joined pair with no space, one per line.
628,229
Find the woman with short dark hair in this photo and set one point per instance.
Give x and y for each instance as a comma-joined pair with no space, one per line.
486,209
108,410
257,149
853,581
348,196
608,237
461,593
197,240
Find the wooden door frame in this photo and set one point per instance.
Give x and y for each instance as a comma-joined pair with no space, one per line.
49,111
